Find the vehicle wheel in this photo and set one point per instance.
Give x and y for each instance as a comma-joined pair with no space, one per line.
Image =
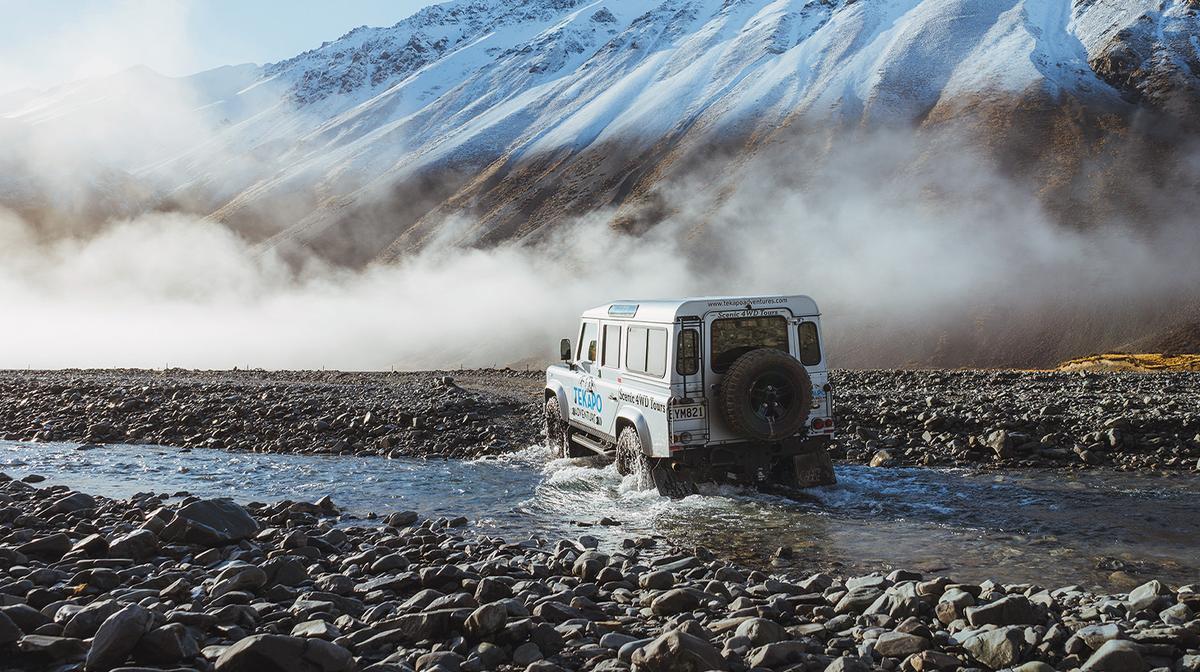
630,459
766,395
669,482
556,429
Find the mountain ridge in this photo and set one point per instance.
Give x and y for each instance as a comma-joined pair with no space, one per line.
483,101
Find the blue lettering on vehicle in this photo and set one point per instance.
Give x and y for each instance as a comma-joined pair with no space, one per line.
588,399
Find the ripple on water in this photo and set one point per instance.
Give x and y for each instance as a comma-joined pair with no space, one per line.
1095,528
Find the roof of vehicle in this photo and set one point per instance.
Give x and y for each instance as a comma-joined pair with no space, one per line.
667,310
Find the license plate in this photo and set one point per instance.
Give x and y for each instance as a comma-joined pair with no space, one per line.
691,412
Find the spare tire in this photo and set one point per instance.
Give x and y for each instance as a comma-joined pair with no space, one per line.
766,395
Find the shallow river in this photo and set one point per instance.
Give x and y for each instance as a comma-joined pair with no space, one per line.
1106,530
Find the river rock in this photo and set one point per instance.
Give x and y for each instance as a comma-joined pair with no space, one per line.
53,648
281,653
761,631
1000,648
117,637
486,620
674,601
1116,656
171,643
900,644
85,622
1011,610
76,501
137,545
9,630
848,664
51,547
678,652
1147,596
211,522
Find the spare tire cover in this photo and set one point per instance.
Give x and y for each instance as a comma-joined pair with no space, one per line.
766,395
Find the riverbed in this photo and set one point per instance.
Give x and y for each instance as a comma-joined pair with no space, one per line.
1098,529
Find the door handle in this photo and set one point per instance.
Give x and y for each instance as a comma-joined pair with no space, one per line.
613,397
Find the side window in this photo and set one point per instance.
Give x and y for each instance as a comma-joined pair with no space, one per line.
810,344
656,353
612,346
635,349
687,353
587,342
646,351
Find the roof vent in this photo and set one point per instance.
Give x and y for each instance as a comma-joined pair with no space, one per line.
623,309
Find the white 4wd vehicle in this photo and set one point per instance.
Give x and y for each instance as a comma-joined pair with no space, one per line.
726,389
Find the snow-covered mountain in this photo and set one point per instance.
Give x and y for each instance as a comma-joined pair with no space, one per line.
521,111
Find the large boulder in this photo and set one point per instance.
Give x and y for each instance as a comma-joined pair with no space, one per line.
280,653
678,652
211,522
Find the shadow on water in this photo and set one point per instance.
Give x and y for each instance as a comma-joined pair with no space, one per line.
1098,529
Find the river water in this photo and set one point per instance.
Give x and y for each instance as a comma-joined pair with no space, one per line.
1101,530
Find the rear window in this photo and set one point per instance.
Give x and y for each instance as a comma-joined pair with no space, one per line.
734,337
646,351
810,344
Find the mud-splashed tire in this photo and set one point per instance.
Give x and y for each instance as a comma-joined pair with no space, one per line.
556,429
669,482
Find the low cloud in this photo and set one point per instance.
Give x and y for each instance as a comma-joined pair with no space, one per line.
950,264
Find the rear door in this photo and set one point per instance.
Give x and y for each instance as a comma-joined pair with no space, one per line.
689,411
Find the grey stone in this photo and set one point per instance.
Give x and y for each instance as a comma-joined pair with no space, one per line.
525,654
56,648
117,637
280,653
847,664
1116,656
779,654
900,644
1011,610
171,643
486,620
761,631
678,652
211,522
1146,596
1000,648
674,601
137,545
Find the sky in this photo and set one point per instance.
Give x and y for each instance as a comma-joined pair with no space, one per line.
49,42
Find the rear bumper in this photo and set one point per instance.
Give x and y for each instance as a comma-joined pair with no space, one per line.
749,457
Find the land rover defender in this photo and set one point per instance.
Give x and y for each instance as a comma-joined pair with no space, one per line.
687,391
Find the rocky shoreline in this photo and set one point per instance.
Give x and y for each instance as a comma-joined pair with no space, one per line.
427,414
171,582
1014,419
977,419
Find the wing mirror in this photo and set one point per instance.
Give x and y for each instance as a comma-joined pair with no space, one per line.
564,349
